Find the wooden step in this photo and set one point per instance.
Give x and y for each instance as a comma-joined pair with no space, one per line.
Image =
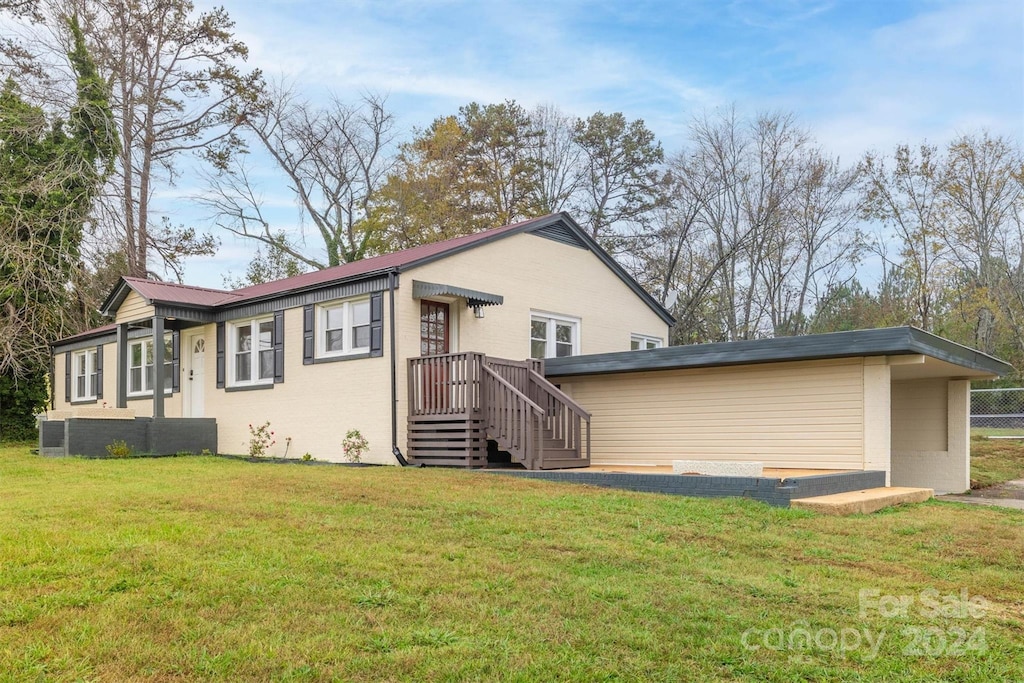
563,463
862,502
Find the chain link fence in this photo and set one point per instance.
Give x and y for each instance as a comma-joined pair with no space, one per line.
998,412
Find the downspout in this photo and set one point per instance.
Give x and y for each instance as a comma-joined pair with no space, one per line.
394,373
53,369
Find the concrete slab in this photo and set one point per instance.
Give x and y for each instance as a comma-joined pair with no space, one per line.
863,502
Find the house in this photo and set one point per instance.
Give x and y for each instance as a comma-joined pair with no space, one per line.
387,345
526,342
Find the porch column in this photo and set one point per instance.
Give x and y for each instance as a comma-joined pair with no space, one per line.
958,435
878,417
158,366
121,371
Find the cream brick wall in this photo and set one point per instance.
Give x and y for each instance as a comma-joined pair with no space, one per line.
532,273
318,403
931,434
143,406
315,405
805,414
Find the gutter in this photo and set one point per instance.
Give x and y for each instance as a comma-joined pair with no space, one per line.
395,450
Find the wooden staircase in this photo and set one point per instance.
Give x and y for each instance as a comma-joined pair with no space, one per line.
459,401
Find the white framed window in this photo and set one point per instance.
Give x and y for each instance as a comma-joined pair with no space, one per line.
251,352
83,375
554,336
343,328
141,375
642,342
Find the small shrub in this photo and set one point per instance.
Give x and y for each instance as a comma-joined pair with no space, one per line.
119,449
205,451
307,456
261,438
354,445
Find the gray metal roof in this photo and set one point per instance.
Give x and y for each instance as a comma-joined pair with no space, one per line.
421,290
890,341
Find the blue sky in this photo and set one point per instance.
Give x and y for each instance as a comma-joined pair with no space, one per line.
860,74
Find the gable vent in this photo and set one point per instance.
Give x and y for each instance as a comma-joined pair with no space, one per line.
559,232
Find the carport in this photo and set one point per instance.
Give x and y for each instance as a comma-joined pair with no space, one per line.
895,400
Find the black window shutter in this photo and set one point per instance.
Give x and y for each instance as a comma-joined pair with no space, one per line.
307,334
67,377
175,361
99,371
376,324
278,347
220,355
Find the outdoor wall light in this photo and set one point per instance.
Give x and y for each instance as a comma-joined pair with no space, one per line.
478,311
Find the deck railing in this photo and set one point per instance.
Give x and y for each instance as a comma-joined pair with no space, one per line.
447,384
521,410
565,420
512,419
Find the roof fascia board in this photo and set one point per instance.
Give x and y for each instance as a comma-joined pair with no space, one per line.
116,297
338,289
904,341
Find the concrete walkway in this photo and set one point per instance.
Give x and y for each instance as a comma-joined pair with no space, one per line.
1009,494
981,500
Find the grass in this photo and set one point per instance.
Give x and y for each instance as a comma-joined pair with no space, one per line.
994,461
200,567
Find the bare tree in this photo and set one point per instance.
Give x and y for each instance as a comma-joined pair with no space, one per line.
814,250
560,170
335,159
905,197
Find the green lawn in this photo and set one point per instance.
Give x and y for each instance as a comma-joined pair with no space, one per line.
994,461
200,567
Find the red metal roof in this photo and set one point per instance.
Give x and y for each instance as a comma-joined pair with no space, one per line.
172,292
205,297
96,331
385,262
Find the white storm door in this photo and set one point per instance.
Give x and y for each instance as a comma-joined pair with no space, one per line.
197,365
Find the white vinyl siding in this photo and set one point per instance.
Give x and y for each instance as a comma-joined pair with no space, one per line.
251,352
554,336
83,375
141,375
801,414
343,328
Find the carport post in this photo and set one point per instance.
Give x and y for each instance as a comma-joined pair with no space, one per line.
878,416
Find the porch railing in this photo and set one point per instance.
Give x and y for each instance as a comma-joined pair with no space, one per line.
520,409
513,420
564,419
447,384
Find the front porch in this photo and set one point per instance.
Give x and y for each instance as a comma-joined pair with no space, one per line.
458,402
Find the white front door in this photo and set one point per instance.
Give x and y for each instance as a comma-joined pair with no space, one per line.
197,363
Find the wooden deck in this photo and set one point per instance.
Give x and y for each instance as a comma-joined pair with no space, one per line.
460,401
